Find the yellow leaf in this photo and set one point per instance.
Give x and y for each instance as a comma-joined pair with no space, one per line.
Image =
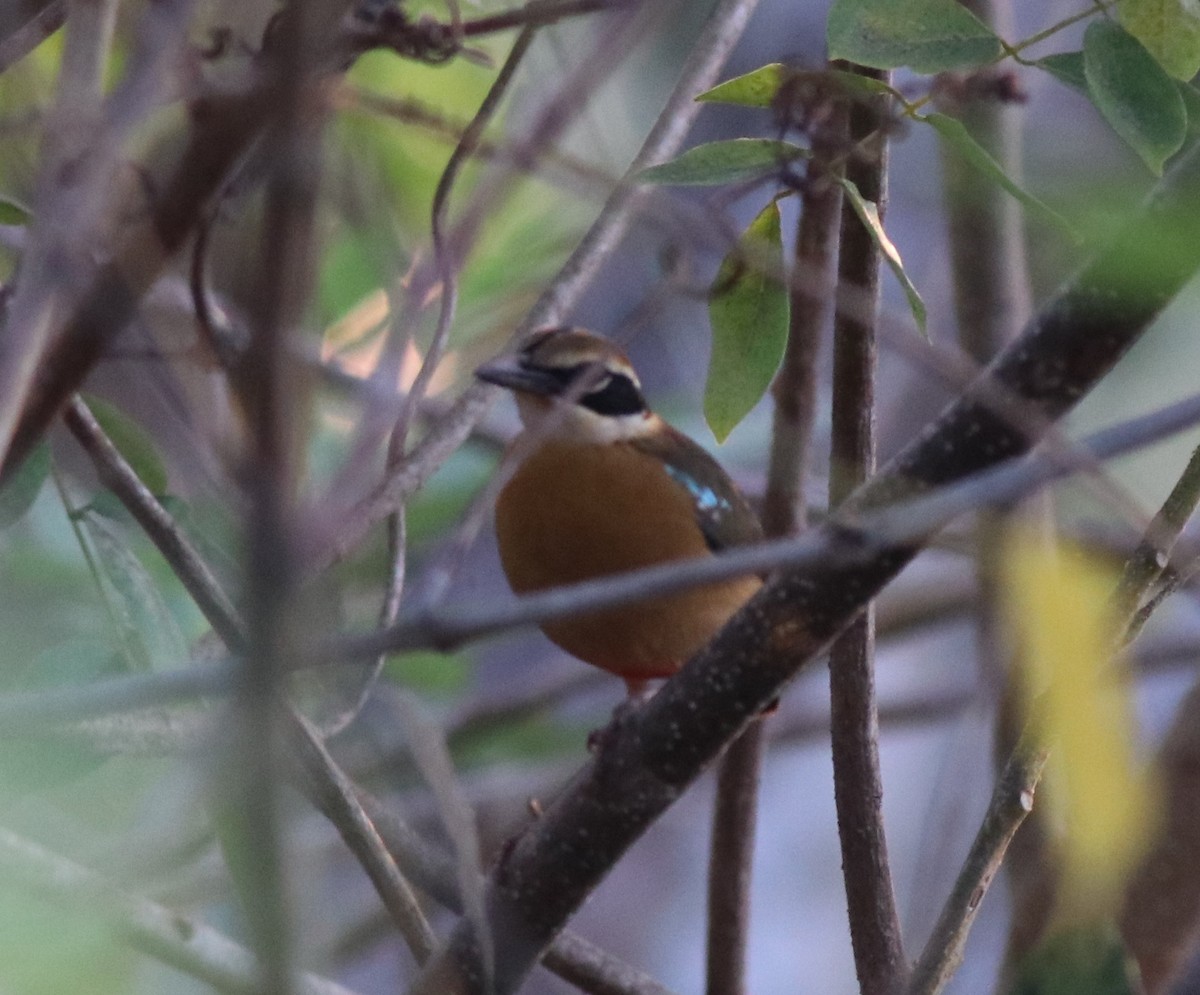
1058,607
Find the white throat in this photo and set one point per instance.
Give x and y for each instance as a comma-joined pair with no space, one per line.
575,423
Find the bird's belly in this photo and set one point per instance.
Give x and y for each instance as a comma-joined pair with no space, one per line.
620,513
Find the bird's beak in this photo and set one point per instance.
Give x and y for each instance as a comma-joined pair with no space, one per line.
507,371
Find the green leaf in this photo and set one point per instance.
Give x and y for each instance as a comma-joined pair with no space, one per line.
748,311
761,87
930,36
349,272
46,949
1170,31
431,673
34,763
148,633
22,490
13,212
1086,959
724,162
133,443
975,155
1191,104
755,89
868,214
1067,67
1137,98
857,85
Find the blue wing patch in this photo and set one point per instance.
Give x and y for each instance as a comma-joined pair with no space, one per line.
707,500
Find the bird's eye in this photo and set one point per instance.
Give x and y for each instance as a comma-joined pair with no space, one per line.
615,395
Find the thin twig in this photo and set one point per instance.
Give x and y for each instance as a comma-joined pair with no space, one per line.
992,300
721,32
906,523
446,266
1153,553
1012,801
838,541
248,810
490,713
186,943
596,972
23,28
100,717
1159,913
333,794
731,861
62,208
118,476
554,166
539,13
445,261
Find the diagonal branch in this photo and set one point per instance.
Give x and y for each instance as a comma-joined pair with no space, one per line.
169,936
1012,801
911,520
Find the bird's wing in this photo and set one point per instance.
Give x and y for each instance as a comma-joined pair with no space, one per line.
722,513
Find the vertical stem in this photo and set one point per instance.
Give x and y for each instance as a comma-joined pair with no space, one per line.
250,813
858,788
731,859
63,215
784,513
992,301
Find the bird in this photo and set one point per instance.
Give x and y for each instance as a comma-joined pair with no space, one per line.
602,485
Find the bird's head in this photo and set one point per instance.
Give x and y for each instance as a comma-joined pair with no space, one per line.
573,384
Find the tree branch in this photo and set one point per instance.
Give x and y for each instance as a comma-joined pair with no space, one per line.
858,784
911,520
24,26
1012,801
169,936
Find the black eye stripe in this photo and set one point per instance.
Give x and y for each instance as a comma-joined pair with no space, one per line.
617,397
615,394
